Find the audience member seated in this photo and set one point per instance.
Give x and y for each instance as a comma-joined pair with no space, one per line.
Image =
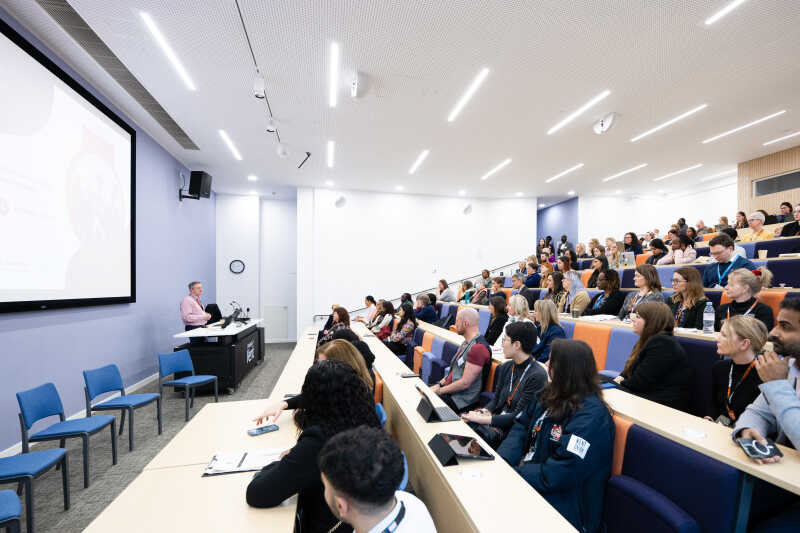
518,284
544,256
363,348
702,229
540,246
738,250
573,259
741,220
721,249
564,245
555,290
466,291
462,386
672,236
432,300
341,349
743,285
577,299
581,252
692,234
518,311
756,222
370,312
612,251
361,469
598,251
518,383
723,223
533,278
768,219
659,251
562,445
648,237
563,264
405,298
689,301
335,399
522,267
340,320
658,368
497,288
486,279
645,278
682,251
792,229
546,272
424,310
328,322
681,225
548,328
599,264
403,330
735,381
481,295
786,212
446,293
383,318
499,317
632,243
608,302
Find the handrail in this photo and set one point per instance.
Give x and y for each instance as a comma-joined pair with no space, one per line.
492,273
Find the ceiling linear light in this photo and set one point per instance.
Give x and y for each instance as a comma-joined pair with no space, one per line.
496,169
329,183
618,174
519,194
331,150
333,80
570,193
564,173
724,11
473,87
462,192
719,175
398,188
252,177
420,158
230,145
734,130
779,139
168,51
578,112
681,171
542,205
669,122
618,191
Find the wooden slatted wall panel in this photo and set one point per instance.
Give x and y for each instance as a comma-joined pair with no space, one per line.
762,167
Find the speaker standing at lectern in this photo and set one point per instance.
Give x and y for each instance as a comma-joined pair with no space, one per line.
192,311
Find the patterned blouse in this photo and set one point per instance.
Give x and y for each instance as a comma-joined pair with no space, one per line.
404,334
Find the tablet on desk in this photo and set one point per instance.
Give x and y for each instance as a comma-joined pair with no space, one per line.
466,447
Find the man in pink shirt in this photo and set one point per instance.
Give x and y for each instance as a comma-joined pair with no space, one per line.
192,311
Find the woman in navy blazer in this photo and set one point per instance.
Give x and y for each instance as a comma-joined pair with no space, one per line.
547,327
632,243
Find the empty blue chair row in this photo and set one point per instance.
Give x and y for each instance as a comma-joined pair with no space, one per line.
10,511
776,247
749,249
23,469
180,361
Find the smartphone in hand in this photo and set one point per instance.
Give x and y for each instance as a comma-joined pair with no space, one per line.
261,430
756,450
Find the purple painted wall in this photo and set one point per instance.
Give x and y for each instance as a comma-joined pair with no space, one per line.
557,220
175,243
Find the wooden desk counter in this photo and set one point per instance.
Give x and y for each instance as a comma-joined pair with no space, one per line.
704,436
473,496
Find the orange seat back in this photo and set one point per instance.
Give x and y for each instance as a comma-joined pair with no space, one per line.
490,378
596,336
709,236
453,329
642,258
585,275
378,388
507,290
771,298
620,439
427,343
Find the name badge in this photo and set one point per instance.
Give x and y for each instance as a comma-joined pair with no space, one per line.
528,457
461,360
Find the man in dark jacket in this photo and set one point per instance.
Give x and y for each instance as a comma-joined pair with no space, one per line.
517,282
424,310
533,280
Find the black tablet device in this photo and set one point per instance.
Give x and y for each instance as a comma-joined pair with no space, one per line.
466,447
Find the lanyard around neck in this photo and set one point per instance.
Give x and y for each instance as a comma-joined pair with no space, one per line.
725,274
730,393
512,394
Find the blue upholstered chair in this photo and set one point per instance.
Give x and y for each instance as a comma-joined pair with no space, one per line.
785,271
620,344
507,282
438,367
665,274
108,379
42,402
749,249
10,511
484,316
381,412
702,355
428,357
569,328
404,481
23,469
180,361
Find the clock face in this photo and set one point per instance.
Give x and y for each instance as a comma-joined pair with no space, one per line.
237,266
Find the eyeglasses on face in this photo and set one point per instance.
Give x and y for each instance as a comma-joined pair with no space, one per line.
675,281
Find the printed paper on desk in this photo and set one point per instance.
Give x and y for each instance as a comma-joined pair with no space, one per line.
599,318
242,461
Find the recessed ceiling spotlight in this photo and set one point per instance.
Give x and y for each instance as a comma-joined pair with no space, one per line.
496,169
564,173
272,125
259,86
230,145
724,11
541,205
578,112
618,191
329,183
681,171
462,192
398,187
628,171
715,176
779,139
571,193
418,161
473,87
734,130
519,194
251,177
333,75
670,122
331,150
168,51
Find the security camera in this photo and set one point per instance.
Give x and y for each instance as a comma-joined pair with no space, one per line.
604,124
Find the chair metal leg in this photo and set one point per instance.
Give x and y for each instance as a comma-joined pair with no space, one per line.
122,421
65,480
186,400
13,526
192,394
62,443
216,391
130,429
85,440
114,441
158,414
28,482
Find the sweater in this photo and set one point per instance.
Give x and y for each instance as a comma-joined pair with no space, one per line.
541,352
447,295
744,392
761,311
790,230
661,373
678,257
632,300
691,317
717,273
578,303
608,306
426,314
495,327
521,393
533,280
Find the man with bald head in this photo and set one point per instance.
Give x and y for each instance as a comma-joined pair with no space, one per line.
462,386
702,229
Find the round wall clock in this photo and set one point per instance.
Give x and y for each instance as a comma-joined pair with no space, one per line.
236,266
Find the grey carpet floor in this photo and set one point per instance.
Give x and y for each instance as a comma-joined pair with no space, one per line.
108,480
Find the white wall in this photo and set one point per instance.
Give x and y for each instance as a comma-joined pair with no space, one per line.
387,244
238,238
279,269
613,216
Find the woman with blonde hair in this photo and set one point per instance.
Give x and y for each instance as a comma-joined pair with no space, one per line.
612,252
518,311
742,288
689,301
658,368
734,381
547,328
594,243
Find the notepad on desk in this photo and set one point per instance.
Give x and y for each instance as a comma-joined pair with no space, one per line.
242,461
599,318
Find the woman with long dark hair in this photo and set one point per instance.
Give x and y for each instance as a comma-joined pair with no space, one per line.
645,278
562,445
403,331
335,399
632,243
599,264
658,368
610,300
499,317
689,301
341,320
555,289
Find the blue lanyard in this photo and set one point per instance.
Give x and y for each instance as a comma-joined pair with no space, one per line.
396,522
724,274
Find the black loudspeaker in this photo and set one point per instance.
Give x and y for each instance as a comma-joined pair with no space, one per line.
200,184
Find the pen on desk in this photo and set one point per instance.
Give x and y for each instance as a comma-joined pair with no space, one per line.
242,460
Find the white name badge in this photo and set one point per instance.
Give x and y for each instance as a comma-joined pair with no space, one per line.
578,446
528,457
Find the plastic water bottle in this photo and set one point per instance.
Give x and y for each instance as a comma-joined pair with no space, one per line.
708,318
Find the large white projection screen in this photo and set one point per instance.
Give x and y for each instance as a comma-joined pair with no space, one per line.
66,189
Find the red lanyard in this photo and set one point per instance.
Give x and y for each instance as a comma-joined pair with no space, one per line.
730,394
